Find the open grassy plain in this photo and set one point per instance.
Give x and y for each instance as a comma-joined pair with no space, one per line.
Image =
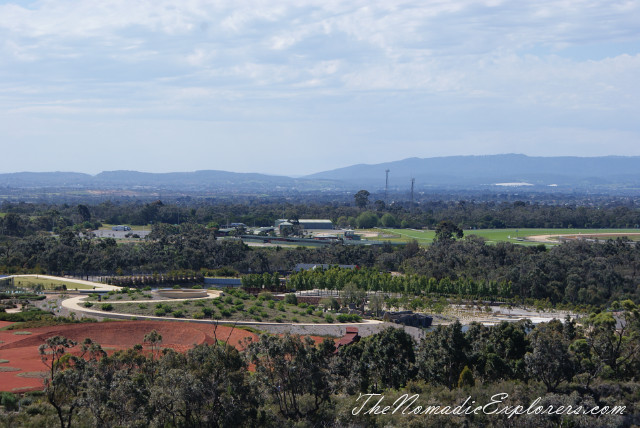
425,237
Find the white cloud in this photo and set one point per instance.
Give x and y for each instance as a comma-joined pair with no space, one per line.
385,65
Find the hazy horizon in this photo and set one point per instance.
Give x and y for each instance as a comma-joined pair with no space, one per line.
283,174
293,89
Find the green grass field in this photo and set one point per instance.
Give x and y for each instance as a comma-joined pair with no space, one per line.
49,284
133,228
425,237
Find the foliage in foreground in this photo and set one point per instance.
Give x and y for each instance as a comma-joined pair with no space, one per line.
295,382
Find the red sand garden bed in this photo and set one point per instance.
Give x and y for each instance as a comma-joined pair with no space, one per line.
24,369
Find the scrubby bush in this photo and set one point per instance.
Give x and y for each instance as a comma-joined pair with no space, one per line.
9,401
291,299
265,295
349,318
328,318
330,303
106,307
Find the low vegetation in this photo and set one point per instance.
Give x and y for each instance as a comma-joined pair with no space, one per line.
235,306
552,364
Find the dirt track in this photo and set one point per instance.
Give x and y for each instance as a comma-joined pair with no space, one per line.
554,239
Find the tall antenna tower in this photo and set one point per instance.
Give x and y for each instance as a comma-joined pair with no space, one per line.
413,181
386,187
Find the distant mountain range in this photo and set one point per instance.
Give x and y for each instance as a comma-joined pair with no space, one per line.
454,172
185,181
487,171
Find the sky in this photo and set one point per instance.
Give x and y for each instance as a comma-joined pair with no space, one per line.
297,87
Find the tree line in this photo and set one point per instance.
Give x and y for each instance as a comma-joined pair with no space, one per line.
22,219
574,273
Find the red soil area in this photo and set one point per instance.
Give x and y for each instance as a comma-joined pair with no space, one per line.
22,350
5,323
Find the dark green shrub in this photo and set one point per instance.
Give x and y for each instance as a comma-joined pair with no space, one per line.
349,318
291,299
9,401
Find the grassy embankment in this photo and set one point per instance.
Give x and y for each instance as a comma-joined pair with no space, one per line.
48,284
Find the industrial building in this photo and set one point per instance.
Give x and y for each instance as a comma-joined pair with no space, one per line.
306,223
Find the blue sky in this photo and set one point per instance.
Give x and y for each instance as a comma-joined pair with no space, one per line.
291,87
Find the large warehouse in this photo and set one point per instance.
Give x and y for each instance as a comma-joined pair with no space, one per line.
309,224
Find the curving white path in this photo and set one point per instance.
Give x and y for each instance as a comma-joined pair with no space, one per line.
74,304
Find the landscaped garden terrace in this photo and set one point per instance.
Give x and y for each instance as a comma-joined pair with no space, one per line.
235,305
